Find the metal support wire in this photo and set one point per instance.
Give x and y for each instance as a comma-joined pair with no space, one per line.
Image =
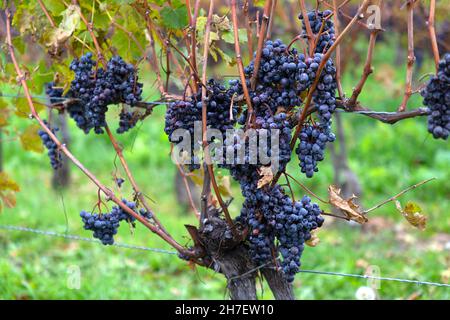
74,237
128,246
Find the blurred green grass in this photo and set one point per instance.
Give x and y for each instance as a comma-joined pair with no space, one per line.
385,158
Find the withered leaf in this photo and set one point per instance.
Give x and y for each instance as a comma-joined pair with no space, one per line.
347,206
314,240
266,176
413,214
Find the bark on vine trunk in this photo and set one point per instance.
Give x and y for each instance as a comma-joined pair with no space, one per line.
233,260
281,289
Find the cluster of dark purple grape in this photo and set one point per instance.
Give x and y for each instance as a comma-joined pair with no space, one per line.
281,77
55,94
310,151
324,96
293,227
53,152
314,137
96,88
105,225
127,121
185,114
274,218
436,96
321,22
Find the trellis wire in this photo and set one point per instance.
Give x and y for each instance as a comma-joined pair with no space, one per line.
128,246
74,237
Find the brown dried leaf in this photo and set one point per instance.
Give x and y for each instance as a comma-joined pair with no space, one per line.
314,240
413,214
266,176
347,206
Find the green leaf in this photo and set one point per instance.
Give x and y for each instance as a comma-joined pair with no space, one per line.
174,18
228,36
54,6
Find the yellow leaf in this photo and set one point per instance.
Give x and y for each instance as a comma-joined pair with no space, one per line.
413,214
347,206
224,185
8,184
198,176
30,139
22,108
266,176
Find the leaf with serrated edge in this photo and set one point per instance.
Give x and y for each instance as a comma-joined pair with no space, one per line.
347,206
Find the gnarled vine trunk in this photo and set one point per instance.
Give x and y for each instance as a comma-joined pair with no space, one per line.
233,260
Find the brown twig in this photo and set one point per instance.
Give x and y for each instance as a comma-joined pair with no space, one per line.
248,26
289,186
272,18
398,195
204,122
239,63
47,14
261,39
432,31
130,176
338,51
309,32
62,147
411,57
90,29
367,69
305,188
193,32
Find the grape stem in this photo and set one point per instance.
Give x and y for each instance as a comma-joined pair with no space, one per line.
309,32
411,57
261,39
240,66
398,195
209,165
90,29
338,51
367,69
130,176
432,31
248,26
